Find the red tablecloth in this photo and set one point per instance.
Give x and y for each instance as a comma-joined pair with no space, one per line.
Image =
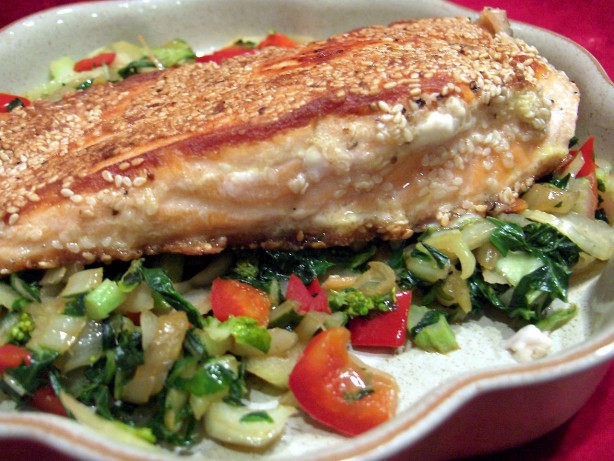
589,436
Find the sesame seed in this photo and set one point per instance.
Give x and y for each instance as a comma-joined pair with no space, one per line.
66,193
107,176
13,218
139,181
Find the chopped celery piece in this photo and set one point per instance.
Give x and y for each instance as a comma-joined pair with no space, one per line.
557,319
103,300
431,332
285,315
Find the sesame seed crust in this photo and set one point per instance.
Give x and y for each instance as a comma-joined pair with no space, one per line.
198,158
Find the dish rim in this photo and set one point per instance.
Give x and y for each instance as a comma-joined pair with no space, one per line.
423,418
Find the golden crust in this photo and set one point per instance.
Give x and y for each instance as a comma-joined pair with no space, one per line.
116,137
68,144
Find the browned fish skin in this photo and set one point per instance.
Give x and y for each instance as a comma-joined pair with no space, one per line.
370,133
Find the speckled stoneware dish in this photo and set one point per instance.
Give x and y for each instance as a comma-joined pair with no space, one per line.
474,400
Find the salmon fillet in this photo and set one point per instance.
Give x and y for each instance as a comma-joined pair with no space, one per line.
372,133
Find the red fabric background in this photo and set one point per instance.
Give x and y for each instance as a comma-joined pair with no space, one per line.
590,434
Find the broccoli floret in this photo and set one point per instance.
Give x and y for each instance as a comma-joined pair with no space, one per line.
355,303
247,269
20,333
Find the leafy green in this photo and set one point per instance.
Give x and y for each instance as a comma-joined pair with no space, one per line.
134,67
106,378
33,376
161,284
440,259
557,319
238,388
561,182
256,417
351,258
260,267
212,377
247,331
75,306
484,294
29,291
406,279
133,277
356,396
536,290
14,104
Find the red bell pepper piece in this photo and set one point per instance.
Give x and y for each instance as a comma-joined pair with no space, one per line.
97,61
9,100
336,389
234,298
225,53
277,39
45,399
388,329
12,356
588,154
311,298
588,167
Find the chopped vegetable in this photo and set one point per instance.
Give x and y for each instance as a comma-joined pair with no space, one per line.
310,298
338,391
102,59
231,298
432,332
277,39
355,303
8,102
45,400
384,329
153,351
12,356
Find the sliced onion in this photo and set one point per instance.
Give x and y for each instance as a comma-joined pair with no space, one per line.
378,280
477,233
149,325
451,242
86,350
226,423
138,300
83,281
160,355
594,237
545,197
57,332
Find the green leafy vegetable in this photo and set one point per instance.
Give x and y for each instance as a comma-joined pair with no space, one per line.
161,284
256,417
33,376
